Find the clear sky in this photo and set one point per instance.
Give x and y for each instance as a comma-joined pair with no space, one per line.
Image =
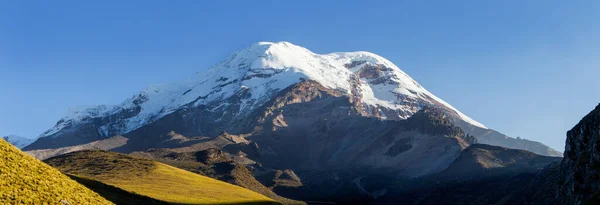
525,68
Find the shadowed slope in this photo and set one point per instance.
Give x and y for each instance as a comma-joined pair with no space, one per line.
26,180
484,174
481,160
115,194
153,179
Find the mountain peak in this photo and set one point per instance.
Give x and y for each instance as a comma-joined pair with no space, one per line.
261,70
282,55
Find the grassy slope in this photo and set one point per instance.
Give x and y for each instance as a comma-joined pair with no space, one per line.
26,180
116,194
153,179
229,172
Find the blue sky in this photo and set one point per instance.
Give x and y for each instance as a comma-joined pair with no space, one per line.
525,68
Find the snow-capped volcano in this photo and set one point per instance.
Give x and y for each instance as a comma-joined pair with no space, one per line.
265,68
232,89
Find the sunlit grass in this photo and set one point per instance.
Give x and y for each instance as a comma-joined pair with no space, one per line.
154,179
26,180
175,185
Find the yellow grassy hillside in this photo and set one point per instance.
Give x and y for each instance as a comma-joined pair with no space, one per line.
26,180
153,179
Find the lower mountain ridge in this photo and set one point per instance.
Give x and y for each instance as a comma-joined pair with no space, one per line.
481,160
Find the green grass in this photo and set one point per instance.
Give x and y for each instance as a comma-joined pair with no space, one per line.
26,180
154,179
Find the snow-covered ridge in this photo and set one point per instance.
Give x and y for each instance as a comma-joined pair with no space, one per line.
262,68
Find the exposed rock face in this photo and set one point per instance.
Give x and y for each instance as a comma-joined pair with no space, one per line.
277,178
580,168
211,156
310,127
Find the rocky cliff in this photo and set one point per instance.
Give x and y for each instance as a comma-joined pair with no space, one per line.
580,168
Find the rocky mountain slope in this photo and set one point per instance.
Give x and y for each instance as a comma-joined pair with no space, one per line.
517,178
25,180
580,168
483,174
18,141
230,92
480,160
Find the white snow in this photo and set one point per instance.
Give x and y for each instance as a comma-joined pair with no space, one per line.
263,68
77,114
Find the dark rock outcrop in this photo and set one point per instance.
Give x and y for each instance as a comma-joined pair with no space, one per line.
580,168
212,156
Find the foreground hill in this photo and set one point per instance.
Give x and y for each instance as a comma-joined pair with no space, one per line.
153,179
26,180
